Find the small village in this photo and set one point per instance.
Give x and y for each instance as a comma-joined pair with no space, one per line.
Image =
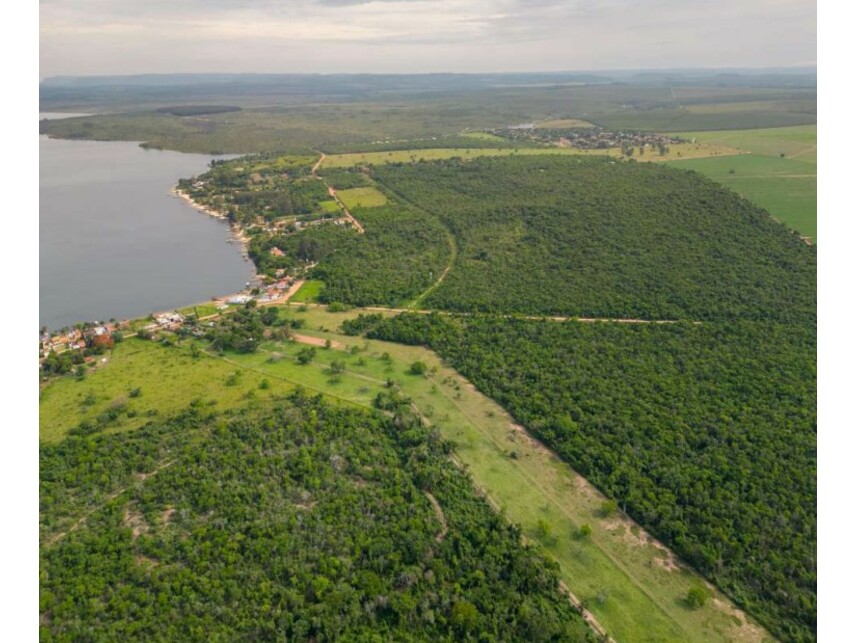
87,340
590,138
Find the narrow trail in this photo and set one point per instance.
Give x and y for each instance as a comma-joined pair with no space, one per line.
82,520
345,210
332,192
438,511
450,239
555,318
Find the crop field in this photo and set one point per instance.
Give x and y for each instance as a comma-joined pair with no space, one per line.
485,136
367,197
168,381
778,174
562,123
677,151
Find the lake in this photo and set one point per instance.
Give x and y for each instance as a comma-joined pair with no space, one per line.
113,241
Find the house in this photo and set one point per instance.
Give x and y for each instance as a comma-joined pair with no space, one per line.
276,252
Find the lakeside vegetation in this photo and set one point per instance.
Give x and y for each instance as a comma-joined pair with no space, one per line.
705,434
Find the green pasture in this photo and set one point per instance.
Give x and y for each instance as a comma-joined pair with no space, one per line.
329,207
677,151
169,379
485,136
366,197
309,292
785,187
798,142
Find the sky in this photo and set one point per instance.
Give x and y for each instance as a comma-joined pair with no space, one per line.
95,37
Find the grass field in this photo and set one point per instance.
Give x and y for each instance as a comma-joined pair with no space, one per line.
677,151
628,582
779,174
201,310
330,206
563,123
485,136
795,142
309,292
169,379
367,197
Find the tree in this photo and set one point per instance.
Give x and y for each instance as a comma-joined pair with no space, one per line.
464,616
306,355
609,507
696,597
418,368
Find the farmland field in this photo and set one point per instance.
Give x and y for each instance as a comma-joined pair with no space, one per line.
679,150
331,206
779,173
367,197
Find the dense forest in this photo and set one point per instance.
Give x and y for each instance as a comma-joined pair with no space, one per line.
593,237
302,521
705,434
571,236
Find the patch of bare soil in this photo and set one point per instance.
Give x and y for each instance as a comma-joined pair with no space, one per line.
744,630
167,515
135,520
146,561
314,341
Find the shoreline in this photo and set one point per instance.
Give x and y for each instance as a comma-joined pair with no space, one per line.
236,231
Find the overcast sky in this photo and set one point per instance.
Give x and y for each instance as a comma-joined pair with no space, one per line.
80,37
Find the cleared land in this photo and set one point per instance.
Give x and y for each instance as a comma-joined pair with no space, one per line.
678,151
562,123
168,381
778,174
309,291
367,197
330,206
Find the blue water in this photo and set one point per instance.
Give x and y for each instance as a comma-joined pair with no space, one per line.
113,241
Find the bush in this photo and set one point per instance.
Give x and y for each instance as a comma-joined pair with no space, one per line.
418,368
696,597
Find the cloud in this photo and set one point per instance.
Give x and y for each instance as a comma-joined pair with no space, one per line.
110,36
